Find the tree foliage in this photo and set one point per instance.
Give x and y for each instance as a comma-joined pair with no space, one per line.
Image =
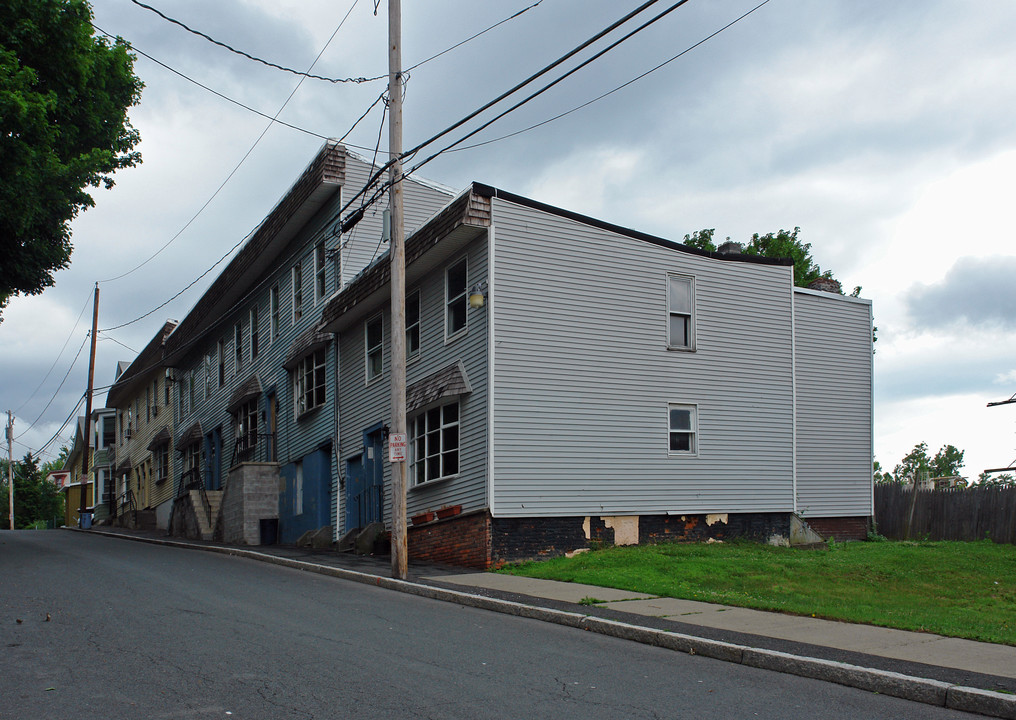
64,96
917,464
992,480
783,244
35,498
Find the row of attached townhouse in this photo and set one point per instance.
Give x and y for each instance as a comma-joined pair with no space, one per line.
97,481
569,382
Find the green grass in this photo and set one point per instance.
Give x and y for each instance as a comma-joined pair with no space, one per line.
965,590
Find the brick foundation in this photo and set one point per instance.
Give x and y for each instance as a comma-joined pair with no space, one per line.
463,540
757,527
841,528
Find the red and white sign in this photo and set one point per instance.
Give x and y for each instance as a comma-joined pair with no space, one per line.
397,444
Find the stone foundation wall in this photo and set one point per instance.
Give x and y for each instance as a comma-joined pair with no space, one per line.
182,522
251,494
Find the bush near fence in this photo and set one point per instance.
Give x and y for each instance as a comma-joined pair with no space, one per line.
973,513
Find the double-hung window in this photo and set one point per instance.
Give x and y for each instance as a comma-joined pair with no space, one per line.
319,273
683,429
680,306
456,298
434,440
309,382
297,292
273,313
373,336
413,324
237,348
254,335
247,429
221,355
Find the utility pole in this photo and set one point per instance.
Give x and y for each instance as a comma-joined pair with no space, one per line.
397,436
88,406
10,462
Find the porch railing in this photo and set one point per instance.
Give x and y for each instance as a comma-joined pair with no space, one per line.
126,503
192,480
254,447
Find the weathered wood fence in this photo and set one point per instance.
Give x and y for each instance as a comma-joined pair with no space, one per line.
973,513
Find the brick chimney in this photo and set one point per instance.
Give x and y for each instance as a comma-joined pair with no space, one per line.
826,285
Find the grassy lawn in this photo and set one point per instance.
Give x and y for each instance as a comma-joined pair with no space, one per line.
958,589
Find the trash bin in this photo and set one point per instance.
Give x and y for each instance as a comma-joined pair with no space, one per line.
86,520
269,531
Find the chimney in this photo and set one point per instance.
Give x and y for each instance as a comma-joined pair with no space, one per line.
729,248
826,285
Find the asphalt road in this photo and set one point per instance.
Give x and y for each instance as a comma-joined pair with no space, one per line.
143,631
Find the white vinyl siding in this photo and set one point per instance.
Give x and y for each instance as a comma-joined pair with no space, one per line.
577,422
832,361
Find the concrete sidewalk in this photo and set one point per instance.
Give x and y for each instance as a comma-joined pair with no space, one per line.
960,674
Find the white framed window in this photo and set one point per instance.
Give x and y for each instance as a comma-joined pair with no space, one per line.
373,338
319,273
221,353
192,384
237,348
208,375
413,324
680,309
683,425
309,383
161,454
273,313
297,292
434,443
456,298
254,335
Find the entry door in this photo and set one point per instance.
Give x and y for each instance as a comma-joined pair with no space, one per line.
365,483
213,459
356,481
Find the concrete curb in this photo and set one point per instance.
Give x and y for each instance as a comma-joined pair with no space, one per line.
908,687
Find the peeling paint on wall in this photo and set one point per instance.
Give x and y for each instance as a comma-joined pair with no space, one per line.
626,528
713,519
585,527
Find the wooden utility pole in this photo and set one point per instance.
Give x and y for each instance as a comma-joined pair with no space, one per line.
397,248
88,406
10,462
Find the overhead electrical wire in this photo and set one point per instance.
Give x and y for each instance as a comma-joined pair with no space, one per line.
614,90
58,387
73,414
228,178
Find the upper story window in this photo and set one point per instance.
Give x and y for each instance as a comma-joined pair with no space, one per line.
208,375
373,335
680,306
683,429
254,333
434,443
413,323
192,385
165,388
319,273
273,313
148,404
309,382
297,292
456,298
237,348
246,422
221,356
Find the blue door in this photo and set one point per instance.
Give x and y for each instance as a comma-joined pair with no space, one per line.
365,482
213,459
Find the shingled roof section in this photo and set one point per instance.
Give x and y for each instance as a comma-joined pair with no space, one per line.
139,371
449,381
308,342
248,390
161,438
470,208
190,436
322,178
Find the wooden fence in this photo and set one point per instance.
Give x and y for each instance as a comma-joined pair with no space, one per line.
973,513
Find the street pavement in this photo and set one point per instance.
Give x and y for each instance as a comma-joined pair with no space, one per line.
962,674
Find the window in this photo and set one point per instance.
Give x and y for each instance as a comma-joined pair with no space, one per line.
297,292
680,299
253,333
273,313
247,430
309,382
208,376
456,298
683,429
237,348
161,463
165,388
374,342
191,393
434,440
148,404
221,355
319,273
413,324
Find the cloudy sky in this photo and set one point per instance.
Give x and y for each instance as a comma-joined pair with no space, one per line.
883,130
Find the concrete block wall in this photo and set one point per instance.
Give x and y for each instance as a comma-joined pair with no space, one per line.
251,494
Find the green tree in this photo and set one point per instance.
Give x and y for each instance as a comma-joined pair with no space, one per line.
64,96
782,244
35,498
915,465
1002,480
947,462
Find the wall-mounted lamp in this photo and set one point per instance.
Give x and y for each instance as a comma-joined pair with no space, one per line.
476,294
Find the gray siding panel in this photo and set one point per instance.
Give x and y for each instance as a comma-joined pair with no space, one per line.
364,405
583,377
834,396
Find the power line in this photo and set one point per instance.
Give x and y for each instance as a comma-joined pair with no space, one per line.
228,178
110,337
616,89
58,387
73,414
59,354
247,55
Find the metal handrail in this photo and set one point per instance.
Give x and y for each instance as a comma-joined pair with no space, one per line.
125,502
253,447
191,480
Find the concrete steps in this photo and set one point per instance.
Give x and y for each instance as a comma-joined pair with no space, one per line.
206,528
